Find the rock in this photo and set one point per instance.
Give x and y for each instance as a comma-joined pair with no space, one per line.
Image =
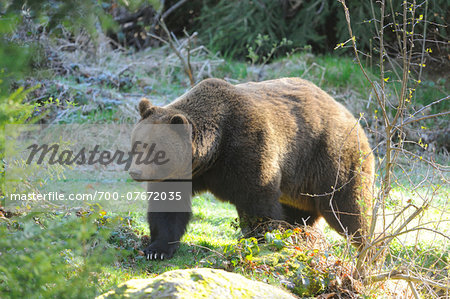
195,283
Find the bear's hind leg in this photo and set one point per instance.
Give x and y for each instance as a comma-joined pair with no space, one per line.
346,220
294,216
254,215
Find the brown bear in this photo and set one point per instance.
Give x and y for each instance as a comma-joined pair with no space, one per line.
280,149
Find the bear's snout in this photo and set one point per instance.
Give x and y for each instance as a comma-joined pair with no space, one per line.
135,174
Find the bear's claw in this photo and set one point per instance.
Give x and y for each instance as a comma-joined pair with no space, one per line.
154,256
160,251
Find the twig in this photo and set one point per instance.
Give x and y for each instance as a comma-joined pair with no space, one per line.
172,8
188,49
157,17
415,229
425,117
413,289
204,247
396,275
123,70
171,43
355,49
158,38
406,63
431,163
424,39
397,215
318,66
410,119
399,230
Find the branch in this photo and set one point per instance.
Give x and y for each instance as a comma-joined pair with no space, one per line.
424,40
204,247
406,63
410,119
400,229
396,216
131,17
158,38
433,164
414,290
425,117
353,38
172,8
397,275
410,231
162,3
171,43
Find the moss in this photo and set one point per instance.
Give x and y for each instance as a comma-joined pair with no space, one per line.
208,283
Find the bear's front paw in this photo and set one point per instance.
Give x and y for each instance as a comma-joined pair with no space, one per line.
160,251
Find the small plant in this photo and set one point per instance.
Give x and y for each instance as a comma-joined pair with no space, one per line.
278,239
244,250
263,49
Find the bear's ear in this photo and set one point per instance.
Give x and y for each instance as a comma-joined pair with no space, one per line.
178,119
144,105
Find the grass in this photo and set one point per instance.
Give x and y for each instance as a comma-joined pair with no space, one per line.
212,230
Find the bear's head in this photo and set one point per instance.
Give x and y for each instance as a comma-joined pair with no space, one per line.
161,145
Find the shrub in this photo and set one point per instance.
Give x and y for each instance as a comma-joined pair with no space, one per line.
229,26
51,256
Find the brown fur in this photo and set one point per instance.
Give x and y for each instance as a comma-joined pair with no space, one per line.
280,149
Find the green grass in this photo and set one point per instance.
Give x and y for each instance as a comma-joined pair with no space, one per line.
94,116
337,72
211,230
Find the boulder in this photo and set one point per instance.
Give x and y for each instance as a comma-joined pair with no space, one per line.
195,283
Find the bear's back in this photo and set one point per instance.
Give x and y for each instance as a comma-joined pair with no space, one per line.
298,98
292,91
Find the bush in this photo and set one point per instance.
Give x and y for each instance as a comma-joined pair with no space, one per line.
229,26
51,256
